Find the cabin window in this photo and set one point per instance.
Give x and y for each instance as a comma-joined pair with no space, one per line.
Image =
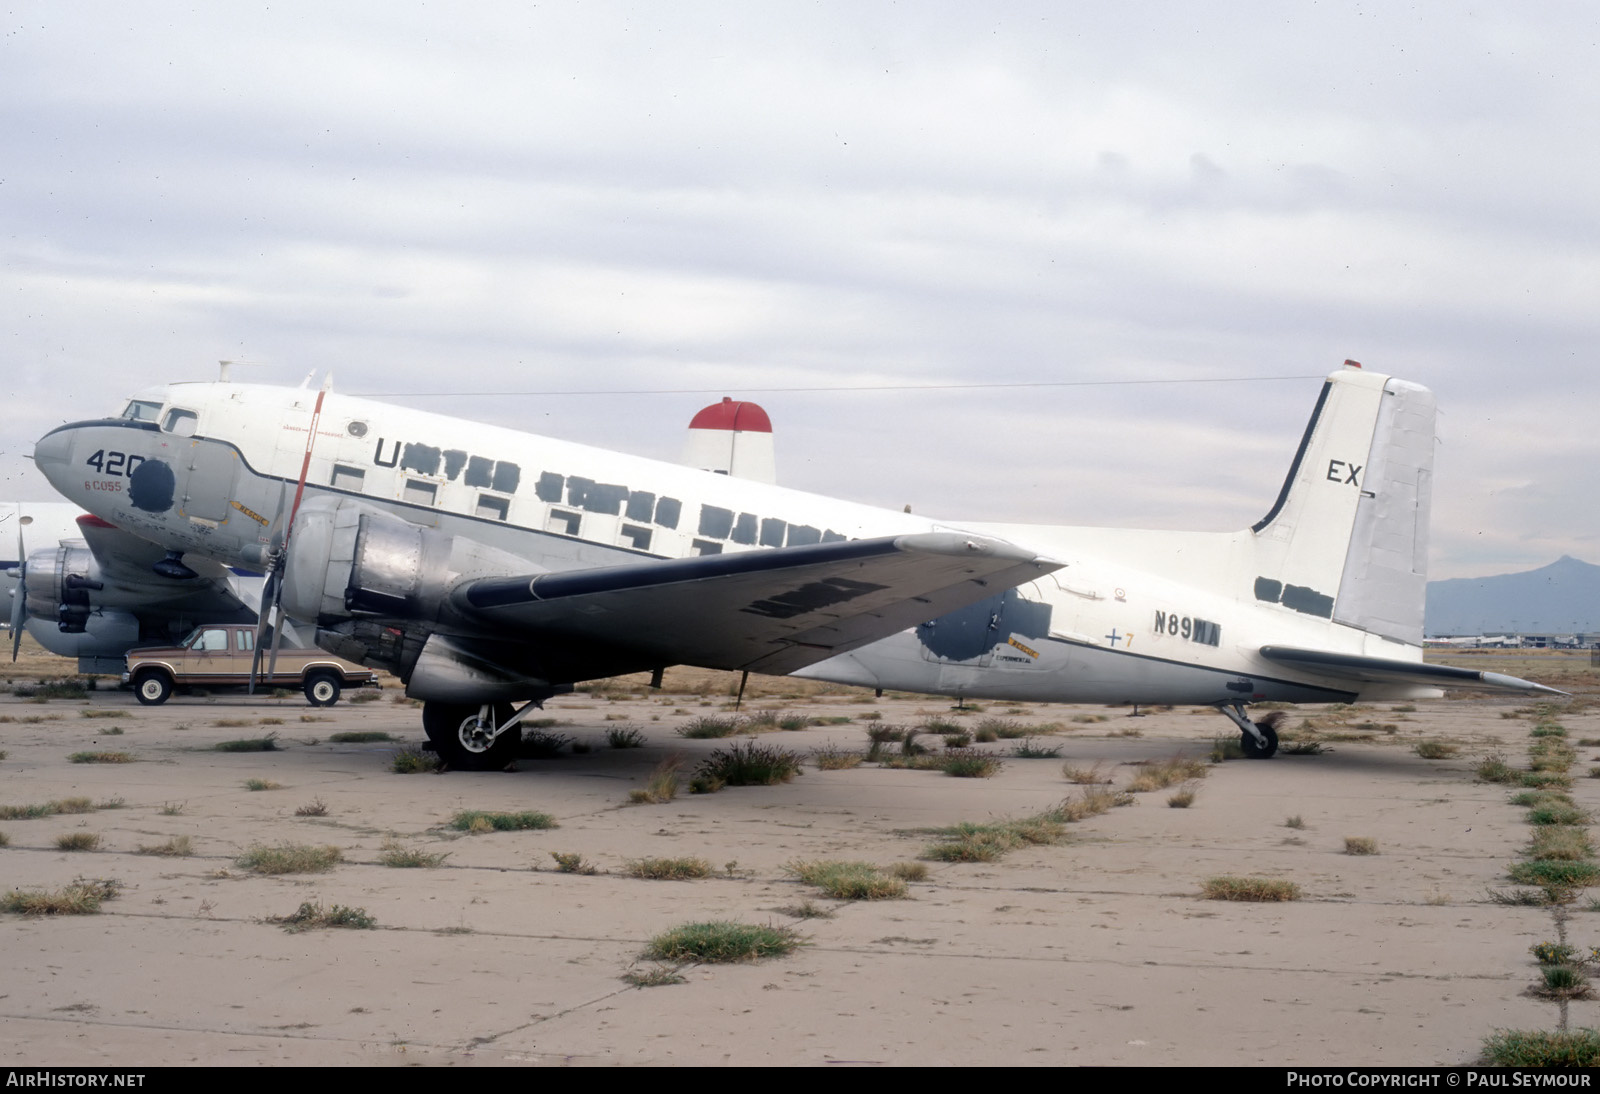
563,523
744,531
492,508
247,640
347,478
634,536
707,547
140,410
180,422
211,640
420,493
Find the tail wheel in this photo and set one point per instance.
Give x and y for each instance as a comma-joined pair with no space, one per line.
1255,751
463,744
152,687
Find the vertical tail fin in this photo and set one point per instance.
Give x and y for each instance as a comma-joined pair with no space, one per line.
1347,538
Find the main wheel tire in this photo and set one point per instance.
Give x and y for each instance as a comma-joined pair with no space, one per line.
453,729
1254,751
152,687
322,689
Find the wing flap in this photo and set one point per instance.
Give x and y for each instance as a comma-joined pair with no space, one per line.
766,611
1381,670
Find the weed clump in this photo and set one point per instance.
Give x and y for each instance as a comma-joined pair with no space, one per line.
1494,769
78,841
262,784
411,761
707,727
400,857
746,763
361,738
570,862
290,858
1258,889
101,758
668,869
269,743
722,941
1435,750
46,809
656,977
1542,1048
831,757
83,897
314,917
849,880
662,786
176,847
1360,845
624,737
476,821
1555,872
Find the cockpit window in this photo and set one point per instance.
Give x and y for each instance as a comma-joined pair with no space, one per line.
138,410
181,422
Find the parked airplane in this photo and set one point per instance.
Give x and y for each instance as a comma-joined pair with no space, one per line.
488,567
91,594
94,596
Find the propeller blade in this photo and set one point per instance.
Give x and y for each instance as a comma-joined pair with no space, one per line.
278,546
19,603
264,623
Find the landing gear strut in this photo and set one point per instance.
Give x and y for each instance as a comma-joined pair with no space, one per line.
1258,740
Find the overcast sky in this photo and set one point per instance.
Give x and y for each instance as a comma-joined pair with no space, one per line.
518,198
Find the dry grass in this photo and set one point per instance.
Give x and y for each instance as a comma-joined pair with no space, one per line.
262,784
570,862
1257,889
831,757
668,869
412,761
314,917
83,897
176,847
1360,845
663,784
316,807
400,857
78,841
101,758
46,809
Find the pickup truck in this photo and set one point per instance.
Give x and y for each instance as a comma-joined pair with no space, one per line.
220,655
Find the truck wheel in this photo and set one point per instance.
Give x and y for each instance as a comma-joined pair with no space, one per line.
453,729
322,689
152,687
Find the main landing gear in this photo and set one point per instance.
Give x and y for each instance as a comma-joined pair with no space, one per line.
1259,740
474,738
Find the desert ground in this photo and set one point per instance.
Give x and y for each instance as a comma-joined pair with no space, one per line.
1095,945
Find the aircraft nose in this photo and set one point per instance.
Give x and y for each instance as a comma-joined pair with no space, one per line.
53,453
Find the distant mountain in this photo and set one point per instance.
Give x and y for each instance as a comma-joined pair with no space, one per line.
1561,598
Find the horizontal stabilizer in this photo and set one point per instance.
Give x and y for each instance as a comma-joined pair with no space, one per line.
767,611
1382,670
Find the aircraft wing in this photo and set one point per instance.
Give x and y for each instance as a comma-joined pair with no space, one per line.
764,611
1381,670
124,562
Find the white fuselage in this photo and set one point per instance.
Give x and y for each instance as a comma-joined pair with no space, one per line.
1131,617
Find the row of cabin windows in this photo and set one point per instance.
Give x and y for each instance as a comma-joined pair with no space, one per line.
745,528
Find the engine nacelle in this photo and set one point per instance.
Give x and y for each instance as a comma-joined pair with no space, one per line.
362,575
100,645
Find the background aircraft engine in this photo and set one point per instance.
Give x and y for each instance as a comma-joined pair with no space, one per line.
60,580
